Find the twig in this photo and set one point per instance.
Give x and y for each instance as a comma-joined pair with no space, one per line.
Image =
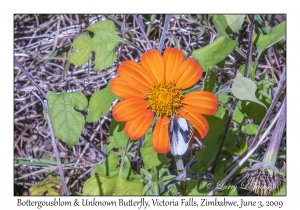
142,30
30,78
61,174
163,36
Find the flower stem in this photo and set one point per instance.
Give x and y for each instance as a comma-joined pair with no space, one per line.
123,157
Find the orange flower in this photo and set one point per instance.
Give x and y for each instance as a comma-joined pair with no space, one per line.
153,88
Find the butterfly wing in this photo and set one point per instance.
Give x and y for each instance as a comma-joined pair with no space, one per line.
180,133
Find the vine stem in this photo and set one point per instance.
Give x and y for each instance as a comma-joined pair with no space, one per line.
123,157
143,31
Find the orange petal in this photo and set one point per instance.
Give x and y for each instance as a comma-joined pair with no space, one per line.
198,121
135,75
203,102
160,137
128,109
138,126
172,59
123,89
188,74
153,62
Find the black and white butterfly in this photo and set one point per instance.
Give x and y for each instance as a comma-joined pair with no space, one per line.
180,134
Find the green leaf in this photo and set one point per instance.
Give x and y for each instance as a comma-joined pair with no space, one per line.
238,116
228,24
250,129
98,184
251,70
103,43
235,22
230,190
252,110
223,97
275,35
195,187
68,123
231,138
244,89
238,151
210,80
150,157
221,24
109,167
219,174
260,24
45,160
221,111
206,155
100,103
117,136
50,186
215,52
262,82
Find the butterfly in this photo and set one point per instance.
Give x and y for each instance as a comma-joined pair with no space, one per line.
180,133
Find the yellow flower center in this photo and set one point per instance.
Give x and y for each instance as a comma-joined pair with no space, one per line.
164,99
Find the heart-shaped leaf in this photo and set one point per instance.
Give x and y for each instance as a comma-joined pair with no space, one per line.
67,123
